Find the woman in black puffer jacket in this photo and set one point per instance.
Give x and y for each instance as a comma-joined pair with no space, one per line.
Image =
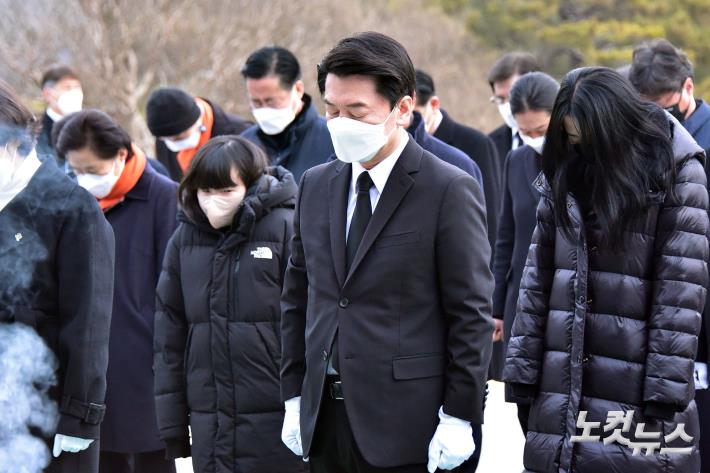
615,280
217,338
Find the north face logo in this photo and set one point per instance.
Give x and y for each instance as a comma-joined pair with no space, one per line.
262,253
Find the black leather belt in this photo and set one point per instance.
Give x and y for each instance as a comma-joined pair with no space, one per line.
334,387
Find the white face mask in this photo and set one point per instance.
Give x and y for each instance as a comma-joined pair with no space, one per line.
534,143
100,185
186,143
356,141
70,101
507,114
220,208
273,121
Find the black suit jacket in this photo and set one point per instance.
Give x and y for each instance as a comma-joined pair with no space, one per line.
482,150
503,139
412,315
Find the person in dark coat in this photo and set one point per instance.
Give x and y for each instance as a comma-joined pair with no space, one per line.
141,207
217,334
63,94
531,100
663,74
56,276
182,124
605,335
501,78
288,127
441,150
385,310
473,143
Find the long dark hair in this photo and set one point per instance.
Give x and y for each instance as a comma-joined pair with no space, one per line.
212,169
624,151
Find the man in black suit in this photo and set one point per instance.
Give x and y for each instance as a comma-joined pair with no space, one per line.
386,325
501,78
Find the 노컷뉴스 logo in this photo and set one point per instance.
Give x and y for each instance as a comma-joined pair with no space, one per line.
619,423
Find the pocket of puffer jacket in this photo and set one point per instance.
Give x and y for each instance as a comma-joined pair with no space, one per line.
271,343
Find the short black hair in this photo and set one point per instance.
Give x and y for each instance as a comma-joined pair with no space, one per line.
93,129
658,67
17,123
374,55
533,91
425,87
57,73
212,169
273,60
511,64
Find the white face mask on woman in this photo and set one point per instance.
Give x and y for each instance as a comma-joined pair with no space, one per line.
220,207
534,143
101,185
356,141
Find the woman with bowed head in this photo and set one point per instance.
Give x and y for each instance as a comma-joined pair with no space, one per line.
140,206
531,100
217,330
604,340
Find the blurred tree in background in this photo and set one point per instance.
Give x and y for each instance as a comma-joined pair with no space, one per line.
570,33
123,49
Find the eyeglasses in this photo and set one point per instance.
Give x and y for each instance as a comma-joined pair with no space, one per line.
497,100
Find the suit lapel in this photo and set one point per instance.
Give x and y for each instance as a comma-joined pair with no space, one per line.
398,184
338,198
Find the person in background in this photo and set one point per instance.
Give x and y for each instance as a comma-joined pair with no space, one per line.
615,279
288,127
501,78
141,208
531,100
663,74
56,276
182,124
62,92
386,323
217,329
477,146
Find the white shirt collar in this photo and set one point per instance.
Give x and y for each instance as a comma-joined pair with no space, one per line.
438,118
55,116
382,170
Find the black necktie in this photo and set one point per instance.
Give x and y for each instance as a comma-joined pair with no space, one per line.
361,216
358,225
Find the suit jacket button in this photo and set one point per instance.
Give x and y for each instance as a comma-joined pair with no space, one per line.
344,302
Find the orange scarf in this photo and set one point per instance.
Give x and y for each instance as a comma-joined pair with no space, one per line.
184,157
132,172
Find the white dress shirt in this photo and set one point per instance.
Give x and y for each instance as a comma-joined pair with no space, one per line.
379,175
55,116
516,142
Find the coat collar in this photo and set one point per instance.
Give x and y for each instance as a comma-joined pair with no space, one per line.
141,191
700,117
447,128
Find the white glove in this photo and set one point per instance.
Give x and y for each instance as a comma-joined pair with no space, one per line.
452,443
701,376
291,431
69,444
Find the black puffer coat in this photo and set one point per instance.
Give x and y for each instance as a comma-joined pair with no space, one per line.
217,336
599,331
